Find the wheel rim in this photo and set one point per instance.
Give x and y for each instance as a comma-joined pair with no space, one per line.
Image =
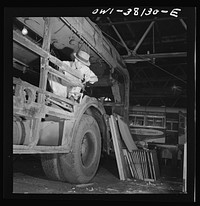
87,149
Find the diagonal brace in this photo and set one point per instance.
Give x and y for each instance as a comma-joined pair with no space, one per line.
122,41
143,37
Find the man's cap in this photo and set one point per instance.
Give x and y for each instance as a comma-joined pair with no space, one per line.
83,57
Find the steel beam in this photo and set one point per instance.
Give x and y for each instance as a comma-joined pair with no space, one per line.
154,80
149,101
138,21
174,103
145,96
148,57
144,35
122,41
163,64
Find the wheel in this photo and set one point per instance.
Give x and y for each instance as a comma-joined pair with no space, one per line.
81,164
50,166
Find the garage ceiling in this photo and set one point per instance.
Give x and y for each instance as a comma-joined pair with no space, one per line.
155,51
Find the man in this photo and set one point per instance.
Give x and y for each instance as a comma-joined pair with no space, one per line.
80,64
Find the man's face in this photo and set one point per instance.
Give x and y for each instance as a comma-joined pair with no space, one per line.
78,64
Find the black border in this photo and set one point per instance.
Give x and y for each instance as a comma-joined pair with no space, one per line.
10,12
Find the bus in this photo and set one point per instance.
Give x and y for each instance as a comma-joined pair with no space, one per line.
158,124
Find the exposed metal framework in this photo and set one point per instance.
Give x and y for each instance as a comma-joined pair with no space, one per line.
127,49
148,57
143,36
138,21
142,79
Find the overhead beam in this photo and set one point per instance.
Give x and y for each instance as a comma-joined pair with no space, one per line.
149,57
160,80
138,21
166,39
147,96
174,65
157,93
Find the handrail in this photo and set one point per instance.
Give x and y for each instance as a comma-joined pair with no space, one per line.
38,50
49,94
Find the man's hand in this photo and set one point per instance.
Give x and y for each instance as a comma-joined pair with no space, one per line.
83,81
93,79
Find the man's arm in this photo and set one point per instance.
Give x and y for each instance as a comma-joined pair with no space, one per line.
65,63
93,79
90,77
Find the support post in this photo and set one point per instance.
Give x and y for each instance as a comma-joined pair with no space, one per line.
43,76
185,161
185,168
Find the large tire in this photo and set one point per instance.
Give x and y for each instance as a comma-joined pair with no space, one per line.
51,167
81,164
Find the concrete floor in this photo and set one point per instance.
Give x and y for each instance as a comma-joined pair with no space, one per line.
29,178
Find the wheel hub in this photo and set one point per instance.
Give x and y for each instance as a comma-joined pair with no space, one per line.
87,149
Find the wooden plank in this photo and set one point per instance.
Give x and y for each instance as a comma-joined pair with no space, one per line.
68,78
142,163
139,163
185,168
37,89
43,79
58,112
149,164
136,163
126,135
145,165
133,165
117,148
135,160
129,162
153,168
155,164
128,170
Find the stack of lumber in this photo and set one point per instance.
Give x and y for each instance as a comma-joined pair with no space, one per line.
143,164
131,161
121,164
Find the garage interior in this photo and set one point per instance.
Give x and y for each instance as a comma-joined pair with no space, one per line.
155,55
155,51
